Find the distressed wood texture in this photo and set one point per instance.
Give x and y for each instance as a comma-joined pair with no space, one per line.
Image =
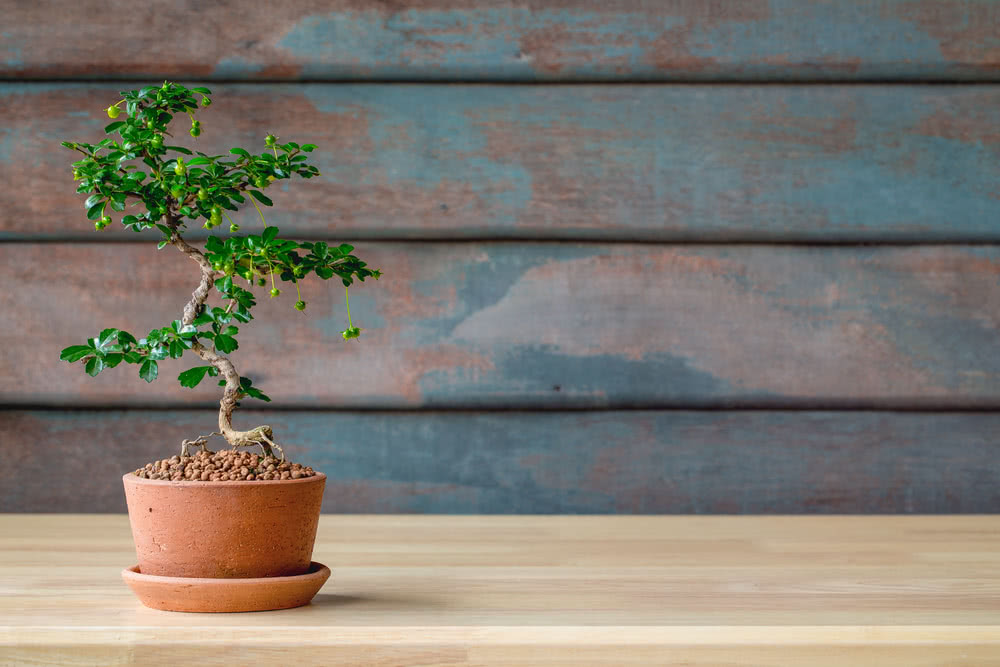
517,41
540,325
635,462
553,591
661,163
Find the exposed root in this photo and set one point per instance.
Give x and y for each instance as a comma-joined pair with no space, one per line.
261,436
200,441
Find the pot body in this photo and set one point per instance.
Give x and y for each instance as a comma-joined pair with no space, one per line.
224,529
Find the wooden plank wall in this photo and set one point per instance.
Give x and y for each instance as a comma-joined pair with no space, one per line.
678,257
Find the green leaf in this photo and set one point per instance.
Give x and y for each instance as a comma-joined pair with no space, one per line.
225,344
259,196
179,149
198,160
148,370
191,377
125,337
94,366
308,148
176,349
239,151
112,360
95,211
159,246
269,234
108,129
324,272
106,337
204,318
202,90
253,392
75,353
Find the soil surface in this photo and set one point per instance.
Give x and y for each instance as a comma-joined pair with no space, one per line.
225,466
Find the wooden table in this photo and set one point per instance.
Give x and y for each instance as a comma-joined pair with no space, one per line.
435,590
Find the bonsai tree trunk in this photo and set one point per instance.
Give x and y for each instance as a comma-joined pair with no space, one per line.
259,435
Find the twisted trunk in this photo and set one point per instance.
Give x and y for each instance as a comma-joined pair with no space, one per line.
259,435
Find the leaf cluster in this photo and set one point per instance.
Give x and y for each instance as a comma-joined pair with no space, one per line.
173,185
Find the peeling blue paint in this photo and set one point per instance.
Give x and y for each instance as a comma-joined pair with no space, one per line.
425,136
525,375
829,32
641,462
825,38
235,68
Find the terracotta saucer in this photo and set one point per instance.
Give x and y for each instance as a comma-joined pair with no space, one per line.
226,595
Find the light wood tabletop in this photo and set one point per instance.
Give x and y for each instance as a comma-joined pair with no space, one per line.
516,590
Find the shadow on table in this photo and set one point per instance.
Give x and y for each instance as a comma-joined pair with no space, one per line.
379,601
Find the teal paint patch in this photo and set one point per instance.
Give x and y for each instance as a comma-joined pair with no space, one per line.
469,43
829,32
11,53
484,281
425,137
235,68
525,375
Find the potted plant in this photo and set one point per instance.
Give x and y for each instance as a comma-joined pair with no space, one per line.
214,531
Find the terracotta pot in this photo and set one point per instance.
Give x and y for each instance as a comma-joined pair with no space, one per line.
224,529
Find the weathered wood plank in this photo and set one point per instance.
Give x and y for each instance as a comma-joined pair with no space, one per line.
540,325
662,163
561,462
520,41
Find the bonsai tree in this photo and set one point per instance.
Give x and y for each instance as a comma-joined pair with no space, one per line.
173,187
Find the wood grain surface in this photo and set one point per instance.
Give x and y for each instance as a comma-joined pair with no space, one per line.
663,163
540,325
538,590
632,462
505,40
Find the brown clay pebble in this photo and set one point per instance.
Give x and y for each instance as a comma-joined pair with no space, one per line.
224,466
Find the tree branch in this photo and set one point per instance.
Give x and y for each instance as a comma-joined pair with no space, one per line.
260,435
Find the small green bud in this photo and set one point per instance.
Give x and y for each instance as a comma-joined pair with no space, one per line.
352,332
99,225
179,168
275,292
300,305
106,220
233,228
261,282
217,266
202,194
156,141
194,131
270,139
113,111
205,102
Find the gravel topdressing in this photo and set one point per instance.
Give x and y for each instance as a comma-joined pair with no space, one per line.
225,466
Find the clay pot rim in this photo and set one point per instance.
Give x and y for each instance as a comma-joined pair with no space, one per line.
130,477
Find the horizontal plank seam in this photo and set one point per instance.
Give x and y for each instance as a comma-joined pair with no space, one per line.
621,240
722,80
742,408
